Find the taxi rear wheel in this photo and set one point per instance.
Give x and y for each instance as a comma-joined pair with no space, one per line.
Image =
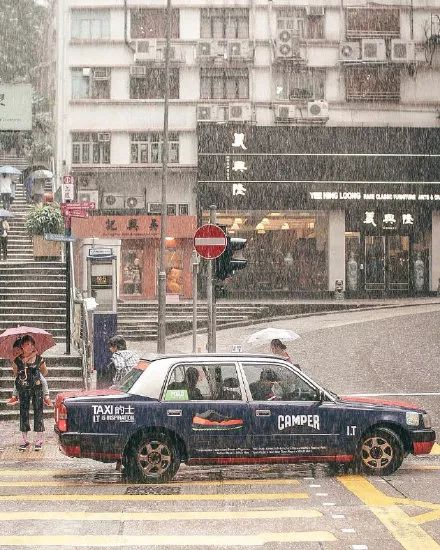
151,458
380,452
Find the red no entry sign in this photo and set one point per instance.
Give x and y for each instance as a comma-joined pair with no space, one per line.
210,241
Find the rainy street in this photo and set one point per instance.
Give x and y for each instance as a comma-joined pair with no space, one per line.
59,502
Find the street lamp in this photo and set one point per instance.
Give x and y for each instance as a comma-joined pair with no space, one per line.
161,282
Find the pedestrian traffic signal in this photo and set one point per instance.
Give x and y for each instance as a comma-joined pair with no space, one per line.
232,258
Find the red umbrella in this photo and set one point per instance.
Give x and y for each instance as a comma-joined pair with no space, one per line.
43,340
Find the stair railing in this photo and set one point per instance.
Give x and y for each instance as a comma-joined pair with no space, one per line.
81,336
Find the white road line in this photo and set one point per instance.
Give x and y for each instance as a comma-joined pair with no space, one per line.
348,530
338,516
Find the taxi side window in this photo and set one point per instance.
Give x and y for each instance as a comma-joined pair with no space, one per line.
197,382
269,382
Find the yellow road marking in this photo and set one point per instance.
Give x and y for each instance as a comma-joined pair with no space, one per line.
159,516
434,515
157,498
258,539
386,509
85,483
436,449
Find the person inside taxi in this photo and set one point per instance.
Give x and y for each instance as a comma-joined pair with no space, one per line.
191,379
262,389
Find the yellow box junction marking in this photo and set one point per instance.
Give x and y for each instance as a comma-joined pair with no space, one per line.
436,449
166,540
159,516
388,510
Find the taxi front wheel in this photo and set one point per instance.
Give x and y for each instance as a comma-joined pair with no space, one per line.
151,458
380,452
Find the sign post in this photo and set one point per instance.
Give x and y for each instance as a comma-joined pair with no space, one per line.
210,242
68,188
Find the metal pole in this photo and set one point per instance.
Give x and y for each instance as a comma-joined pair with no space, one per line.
210,295
68,233
195,266
161,332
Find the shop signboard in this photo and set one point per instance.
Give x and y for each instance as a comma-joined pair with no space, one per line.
15,107
210,241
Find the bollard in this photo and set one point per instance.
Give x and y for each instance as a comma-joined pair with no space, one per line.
339,289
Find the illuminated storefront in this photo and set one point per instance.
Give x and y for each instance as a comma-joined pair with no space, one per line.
322,204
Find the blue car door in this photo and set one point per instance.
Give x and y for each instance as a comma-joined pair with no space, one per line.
205,404
287,416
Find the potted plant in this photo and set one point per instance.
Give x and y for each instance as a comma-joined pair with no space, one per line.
41,219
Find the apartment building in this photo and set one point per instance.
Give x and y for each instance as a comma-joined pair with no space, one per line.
312,125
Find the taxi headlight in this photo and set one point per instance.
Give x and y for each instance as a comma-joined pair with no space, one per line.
426,419
412,418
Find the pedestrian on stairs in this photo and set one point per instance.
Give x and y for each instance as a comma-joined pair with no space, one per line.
122,361
4,230
6,190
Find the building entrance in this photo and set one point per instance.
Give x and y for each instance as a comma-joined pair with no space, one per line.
387,266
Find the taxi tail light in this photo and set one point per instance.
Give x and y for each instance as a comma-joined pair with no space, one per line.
61,417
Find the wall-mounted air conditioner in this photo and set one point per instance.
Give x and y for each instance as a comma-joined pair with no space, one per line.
315,11
373,49
101,73
145,50
240,112
135,202
349,51
286,112
317,109
239,49
138,71
206,48
110,201
155,208
288,46
403,51
208,112
103,136
88,196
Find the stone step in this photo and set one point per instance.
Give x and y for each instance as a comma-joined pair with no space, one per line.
42,290
56,283
54,382
50,298
68,371
21,310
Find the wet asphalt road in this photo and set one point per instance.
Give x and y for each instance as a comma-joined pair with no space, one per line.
47,500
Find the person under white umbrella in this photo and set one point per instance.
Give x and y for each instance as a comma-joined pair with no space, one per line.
275,337
6,190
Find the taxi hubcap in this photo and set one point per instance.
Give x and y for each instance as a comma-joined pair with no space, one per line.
376,452
154,457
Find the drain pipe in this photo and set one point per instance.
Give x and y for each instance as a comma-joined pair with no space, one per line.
127,42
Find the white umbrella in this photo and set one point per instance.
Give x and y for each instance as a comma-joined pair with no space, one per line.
42,174
10,170
268,334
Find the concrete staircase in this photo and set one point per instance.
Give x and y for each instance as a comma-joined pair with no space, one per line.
138,320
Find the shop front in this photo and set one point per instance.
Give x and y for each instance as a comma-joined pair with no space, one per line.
137,252
318,205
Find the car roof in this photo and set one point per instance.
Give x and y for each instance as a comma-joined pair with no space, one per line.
201,356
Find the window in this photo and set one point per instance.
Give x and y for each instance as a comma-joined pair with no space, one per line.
224,84
372,23
269,382
91,148
91,83
151,23
305,24
151,85
90,24
197,382
372,83
183,209
300,84
146,148
224,23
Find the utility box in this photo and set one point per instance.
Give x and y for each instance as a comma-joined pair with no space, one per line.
105,325
102,278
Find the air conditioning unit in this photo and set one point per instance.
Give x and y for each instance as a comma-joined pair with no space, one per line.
373,49
135,202
315,11
145,50
207,113
101,73
104,136
155,208
88,196
349,51
285,112
403,51
239,49
138,71
112,202
206,48
317,109
240,112
288,46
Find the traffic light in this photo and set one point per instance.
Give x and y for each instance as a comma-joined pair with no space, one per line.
232,258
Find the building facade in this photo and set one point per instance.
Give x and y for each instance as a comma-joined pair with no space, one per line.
313,126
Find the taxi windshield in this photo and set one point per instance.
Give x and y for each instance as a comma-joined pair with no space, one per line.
131,377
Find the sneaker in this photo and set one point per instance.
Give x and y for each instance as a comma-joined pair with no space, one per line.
38,446
47,401
24,446
12,400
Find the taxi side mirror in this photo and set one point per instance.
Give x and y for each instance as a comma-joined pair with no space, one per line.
320,395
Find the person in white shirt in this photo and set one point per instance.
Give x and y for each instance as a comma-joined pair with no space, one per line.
6,190
4,230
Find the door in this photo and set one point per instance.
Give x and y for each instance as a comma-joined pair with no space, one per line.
387,262
205,403
287,417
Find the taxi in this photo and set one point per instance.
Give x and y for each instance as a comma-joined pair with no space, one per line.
233,409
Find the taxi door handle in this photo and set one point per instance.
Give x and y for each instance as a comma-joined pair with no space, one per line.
262,412
174,412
